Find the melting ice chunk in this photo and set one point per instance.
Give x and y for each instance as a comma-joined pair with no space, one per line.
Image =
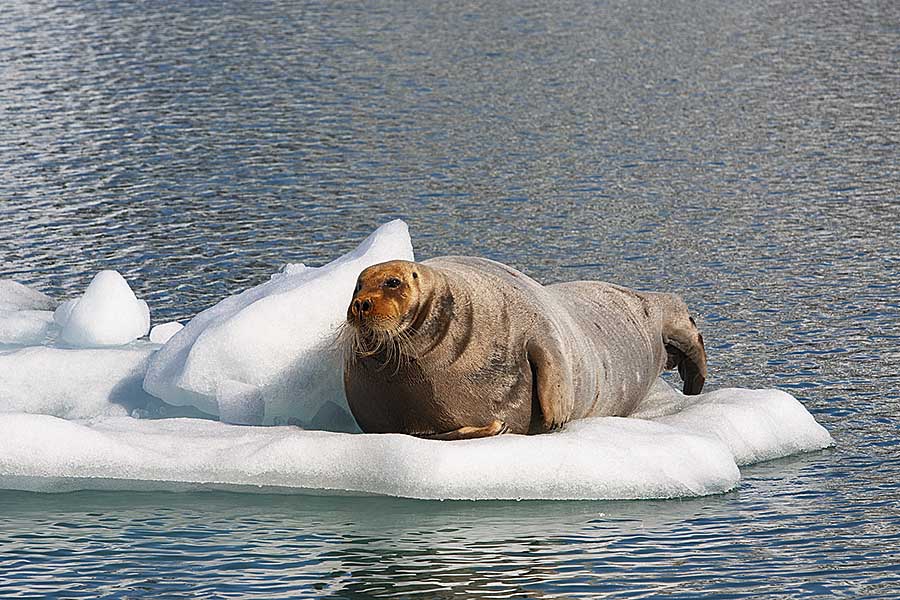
107,314
22,327
268,354
37,376
160,334
26,315
277,337
15,296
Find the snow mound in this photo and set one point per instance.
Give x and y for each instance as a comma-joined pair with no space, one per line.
107,314
269,352
669,454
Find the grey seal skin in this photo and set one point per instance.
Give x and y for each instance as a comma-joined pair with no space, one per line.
461,347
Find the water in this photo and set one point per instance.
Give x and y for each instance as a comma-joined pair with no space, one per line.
743,156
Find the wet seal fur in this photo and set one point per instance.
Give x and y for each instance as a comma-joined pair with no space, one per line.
462,347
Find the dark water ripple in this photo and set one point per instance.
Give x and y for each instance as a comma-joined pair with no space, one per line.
190,545
745,156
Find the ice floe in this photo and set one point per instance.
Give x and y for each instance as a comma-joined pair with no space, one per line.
600,458
68,413
79,361
756,425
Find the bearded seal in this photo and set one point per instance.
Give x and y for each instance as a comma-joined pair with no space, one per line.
461,347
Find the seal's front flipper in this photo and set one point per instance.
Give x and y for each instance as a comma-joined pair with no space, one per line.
684,346
468,433
551,386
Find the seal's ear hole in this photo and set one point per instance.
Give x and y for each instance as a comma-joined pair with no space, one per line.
415,275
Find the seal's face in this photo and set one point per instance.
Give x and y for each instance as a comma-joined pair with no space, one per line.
386,298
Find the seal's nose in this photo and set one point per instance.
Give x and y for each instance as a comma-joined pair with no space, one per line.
361,308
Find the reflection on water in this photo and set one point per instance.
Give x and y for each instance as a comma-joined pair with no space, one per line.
743,156
769,539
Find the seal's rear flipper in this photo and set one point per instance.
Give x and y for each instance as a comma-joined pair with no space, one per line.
684,346
693,375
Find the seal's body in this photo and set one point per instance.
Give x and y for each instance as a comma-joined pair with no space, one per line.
460,347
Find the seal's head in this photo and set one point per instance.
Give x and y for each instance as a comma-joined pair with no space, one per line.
390,302
386,298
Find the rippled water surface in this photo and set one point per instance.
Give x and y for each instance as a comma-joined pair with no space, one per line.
743,156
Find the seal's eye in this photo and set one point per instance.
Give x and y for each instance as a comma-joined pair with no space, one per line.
393,282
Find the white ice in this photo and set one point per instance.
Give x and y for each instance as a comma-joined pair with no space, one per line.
277,337
42,373
240,403
160,334
15,296
601,458
756,425
107,314
74,383
26,315
21,327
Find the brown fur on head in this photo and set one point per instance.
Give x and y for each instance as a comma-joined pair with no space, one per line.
387,297
387,301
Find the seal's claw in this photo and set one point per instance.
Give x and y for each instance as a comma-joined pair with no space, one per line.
496,427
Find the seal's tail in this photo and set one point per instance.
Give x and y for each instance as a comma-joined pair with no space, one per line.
684,346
